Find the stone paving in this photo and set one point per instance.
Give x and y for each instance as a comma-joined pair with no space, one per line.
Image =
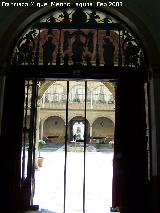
49,190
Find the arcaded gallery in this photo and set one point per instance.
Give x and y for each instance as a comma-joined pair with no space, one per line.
79,93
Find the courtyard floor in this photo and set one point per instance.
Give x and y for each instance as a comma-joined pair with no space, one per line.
49,189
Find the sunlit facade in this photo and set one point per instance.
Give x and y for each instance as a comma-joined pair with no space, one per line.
100,110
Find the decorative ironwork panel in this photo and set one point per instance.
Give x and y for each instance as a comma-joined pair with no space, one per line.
84,37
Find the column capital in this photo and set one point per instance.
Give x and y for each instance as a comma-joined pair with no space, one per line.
38,103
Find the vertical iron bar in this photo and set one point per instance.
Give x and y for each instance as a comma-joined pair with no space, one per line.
58,56
35,127
85,141
123,53
36,58
24,132
34,140
66,139
119,50
97,51
149,131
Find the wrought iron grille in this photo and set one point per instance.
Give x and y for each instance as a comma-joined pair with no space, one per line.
72,37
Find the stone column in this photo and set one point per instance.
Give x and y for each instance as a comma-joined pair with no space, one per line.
91,100
37,135
90,133
41,128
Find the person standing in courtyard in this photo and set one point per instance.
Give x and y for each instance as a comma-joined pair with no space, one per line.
74,137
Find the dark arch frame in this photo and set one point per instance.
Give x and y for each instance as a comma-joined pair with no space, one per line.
111,69
77,75
99,9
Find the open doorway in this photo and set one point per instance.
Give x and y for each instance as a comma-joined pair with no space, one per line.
75,119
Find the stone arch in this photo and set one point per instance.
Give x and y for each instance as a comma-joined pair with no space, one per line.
103,127
54,129
110,117
56,114
43,87
73,121
46,84
110,87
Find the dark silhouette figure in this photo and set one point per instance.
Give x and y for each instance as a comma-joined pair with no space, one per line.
65,16
131,54
25,49
74,137
25,55
108,53
48,49
90,42
28,52
66,59
77,49
79,17
66,40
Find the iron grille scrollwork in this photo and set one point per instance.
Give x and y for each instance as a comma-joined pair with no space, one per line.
78,37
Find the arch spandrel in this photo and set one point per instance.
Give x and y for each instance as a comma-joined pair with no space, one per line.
43,87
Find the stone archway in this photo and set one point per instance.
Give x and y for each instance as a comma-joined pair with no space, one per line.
74,126
101,124
54,129
103,128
